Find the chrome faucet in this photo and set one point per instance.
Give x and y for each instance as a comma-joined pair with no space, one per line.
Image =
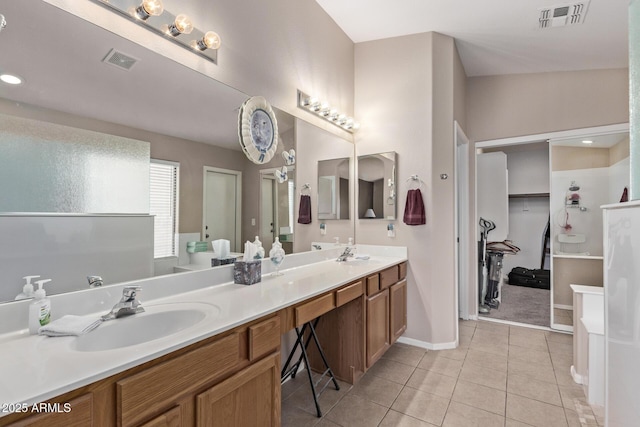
346,254
128,305
95,281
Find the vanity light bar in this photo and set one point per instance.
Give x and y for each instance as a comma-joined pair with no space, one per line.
324,110
152,15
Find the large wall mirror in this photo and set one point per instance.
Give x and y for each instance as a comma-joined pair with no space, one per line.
66,105
377,186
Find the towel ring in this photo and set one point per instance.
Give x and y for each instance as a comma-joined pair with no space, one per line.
305,187
413,179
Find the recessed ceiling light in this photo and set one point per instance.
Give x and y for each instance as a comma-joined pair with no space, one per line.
587,141
10,79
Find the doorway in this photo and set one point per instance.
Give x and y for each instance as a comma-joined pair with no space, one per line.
466,306
222,206
268,216
581,134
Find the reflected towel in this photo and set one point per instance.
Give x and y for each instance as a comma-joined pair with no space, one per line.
70,325
414,208
304,214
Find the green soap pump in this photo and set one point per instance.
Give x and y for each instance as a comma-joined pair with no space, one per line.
39,309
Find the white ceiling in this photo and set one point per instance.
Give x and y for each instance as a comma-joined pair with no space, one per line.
496,36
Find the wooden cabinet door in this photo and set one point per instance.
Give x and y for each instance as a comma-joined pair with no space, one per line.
398,309
249,398
377,326
171,418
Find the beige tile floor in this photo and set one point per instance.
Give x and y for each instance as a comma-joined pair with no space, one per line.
500,375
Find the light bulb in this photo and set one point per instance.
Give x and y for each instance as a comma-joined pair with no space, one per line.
149,8
10,79
342,119
356,126
181,25
211,40
333,115
324,109
349,123
586,141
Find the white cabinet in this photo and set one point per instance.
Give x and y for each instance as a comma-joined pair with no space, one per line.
493,194
622,313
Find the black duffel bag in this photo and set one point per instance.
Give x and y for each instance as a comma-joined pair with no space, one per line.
520,276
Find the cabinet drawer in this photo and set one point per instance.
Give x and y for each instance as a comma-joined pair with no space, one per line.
388,277
373,284
312,309
348,293
402,268
264,338
163,385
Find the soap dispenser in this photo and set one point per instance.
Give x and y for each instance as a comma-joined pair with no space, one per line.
27,289
39,309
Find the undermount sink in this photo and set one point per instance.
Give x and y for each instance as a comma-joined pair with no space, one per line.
158,321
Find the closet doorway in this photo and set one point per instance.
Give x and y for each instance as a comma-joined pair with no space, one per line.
513,218
564,174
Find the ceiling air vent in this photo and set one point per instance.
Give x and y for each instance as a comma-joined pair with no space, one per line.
119,60
561,15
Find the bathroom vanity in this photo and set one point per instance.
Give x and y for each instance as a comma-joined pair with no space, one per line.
224,370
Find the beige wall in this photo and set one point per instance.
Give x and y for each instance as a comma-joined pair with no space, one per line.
527,104
620,151
571,158
568,271
412,113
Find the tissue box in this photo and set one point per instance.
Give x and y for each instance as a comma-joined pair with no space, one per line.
247,272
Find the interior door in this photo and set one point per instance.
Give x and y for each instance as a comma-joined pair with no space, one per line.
268,226
222,195
465,285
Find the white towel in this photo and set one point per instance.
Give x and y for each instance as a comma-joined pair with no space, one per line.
70,325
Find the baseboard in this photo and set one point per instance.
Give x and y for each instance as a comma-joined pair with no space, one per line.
577,378
563,306
564,328
428,345
512,323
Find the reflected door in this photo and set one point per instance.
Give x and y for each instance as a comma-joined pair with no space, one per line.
222,195
268,216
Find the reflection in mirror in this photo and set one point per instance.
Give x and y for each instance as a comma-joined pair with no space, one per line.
68,109
333,189
377,186
277,204
586,173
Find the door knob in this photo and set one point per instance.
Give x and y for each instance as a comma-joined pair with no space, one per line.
206,236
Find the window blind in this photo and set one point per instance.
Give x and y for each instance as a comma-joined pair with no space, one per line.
164,206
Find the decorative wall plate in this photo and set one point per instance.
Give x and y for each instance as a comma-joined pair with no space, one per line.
258,130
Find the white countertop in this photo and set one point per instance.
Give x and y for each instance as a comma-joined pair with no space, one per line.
37,368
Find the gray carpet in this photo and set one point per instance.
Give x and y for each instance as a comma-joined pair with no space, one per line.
523,305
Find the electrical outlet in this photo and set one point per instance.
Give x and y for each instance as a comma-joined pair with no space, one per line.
253,221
